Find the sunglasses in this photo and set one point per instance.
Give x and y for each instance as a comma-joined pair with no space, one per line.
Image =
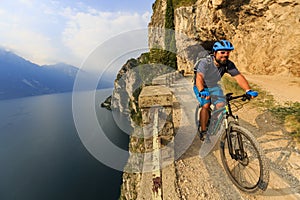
224,52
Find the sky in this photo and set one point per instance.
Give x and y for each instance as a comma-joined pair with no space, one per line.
52,31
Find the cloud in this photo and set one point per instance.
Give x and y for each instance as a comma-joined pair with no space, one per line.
27,2
31,45
54,31
19,35
84,31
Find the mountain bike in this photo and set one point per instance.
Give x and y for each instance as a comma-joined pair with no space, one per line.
242,157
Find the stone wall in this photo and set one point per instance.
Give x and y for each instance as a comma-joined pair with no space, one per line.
154,141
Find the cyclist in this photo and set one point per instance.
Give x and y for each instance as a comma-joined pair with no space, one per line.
208,73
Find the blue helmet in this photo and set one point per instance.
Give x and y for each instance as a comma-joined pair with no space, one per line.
222,45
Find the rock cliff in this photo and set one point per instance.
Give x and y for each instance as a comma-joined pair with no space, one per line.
265,33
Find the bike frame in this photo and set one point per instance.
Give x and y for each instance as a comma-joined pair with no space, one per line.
227,112
234,135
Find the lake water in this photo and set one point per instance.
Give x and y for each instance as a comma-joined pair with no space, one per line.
42,157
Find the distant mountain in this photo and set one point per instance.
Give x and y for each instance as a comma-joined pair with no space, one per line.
21,78
68,70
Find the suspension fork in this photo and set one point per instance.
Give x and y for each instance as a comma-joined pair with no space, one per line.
228,129
241,155
229,141
235,153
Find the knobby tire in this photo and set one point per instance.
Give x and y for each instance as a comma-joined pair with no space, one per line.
252,174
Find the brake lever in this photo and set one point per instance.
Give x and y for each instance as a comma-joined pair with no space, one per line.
246,97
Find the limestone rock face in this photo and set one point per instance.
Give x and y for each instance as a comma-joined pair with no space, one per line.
268,43
265,33
155,38
123,102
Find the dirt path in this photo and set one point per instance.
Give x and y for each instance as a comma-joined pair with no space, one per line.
206,179
282,87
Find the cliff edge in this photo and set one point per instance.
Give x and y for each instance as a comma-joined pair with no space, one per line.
265,34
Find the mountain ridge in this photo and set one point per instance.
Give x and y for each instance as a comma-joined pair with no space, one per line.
21,78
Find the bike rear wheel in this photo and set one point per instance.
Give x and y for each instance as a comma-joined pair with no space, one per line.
251,173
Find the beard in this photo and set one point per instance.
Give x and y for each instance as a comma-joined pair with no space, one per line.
223,60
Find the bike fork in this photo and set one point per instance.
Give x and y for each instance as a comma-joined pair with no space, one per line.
236,152
241,153
230,148
229,140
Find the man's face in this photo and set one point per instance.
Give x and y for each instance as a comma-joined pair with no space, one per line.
222,57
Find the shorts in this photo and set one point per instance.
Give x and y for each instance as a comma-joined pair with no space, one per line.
217,95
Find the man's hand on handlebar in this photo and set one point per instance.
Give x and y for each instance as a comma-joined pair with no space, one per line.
251,94
204,94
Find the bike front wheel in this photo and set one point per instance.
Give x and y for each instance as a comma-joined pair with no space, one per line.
246,165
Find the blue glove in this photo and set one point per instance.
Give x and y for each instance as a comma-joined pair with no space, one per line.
252,93
203,93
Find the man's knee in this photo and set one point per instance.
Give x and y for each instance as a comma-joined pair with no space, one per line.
206,106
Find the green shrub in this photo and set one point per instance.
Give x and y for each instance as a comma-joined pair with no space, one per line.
289,115
166,56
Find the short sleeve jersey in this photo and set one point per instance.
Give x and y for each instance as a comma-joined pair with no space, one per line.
213,74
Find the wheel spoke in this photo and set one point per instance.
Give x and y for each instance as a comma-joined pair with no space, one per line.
246,174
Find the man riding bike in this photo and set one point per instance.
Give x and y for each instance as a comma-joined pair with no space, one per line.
208,72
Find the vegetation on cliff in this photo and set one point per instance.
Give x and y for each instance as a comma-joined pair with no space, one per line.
170,42
180,3
166,55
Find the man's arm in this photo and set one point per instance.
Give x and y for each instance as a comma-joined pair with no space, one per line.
199,81
243,83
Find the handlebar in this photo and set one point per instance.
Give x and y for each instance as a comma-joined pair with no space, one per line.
229,97
244,97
